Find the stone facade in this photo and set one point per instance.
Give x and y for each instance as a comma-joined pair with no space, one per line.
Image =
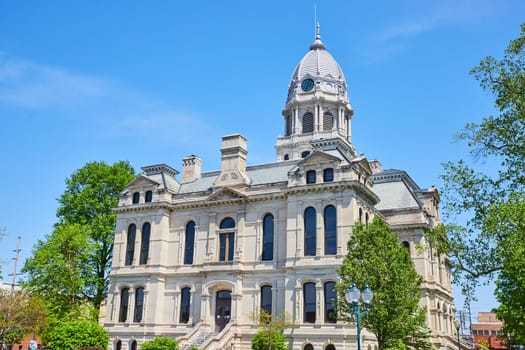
196,258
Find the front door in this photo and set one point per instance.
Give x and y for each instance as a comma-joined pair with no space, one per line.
223,308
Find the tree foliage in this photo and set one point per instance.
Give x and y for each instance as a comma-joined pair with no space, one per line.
376,258
85,208
160,343
270,335
75,334
490,243
57,268
21,314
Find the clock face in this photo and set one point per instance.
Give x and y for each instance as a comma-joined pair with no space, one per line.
307,85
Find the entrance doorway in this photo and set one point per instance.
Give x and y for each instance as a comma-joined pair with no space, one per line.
223,307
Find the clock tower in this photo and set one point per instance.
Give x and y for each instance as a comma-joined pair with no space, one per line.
317,115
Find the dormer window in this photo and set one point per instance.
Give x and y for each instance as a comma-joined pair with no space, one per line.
328,175
136,197
310,177
305,154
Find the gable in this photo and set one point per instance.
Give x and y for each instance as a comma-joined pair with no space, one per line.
142,181
318,157
225,194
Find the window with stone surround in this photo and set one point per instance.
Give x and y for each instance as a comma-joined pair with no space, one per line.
136,197
124,303
130,244
309,302
308,123
185,295
310,177
144,243
329,300
226,240
189,242
330,230
267,252
310,227
139,304
266,299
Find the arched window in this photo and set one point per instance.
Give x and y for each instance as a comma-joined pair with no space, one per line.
308,123
330,230
130,244
309,302
266,299
144,245
189,242
134,345
288,130
308,347
148,197
267,253
309,231
139,304
124,302
136,197
184,305
118,345
328,121
329,301
286,157
310,177
328,175
226,240
331,347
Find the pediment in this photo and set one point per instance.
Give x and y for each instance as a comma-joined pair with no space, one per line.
225,194
363,163
143,181
319,157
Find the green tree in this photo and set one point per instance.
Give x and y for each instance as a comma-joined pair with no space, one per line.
91,193
75,334
376,258
21,314
270,335
490,243
57,268
160,343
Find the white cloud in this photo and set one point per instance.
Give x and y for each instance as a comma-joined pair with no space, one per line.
29,85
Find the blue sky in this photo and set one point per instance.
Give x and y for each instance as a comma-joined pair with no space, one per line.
128,80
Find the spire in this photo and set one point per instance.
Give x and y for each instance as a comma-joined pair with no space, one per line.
318,44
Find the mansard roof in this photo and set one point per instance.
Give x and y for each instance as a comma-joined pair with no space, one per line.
396,190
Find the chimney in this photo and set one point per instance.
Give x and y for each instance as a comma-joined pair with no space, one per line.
191,168
233,161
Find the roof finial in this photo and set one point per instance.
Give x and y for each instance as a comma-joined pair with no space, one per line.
318,44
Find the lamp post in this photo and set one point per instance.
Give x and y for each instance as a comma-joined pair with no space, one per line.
458,327
353,297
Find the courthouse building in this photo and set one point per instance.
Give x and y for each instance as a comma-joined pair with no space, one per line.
196,253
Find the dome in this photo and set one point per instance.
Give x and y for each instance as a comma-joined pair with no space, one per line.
317,66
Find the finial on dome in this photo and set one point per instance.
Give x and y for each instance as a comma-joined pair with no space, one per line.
318,44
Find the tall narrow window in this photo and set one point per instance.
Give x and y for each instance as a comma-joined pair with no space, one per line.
134,345
130,244
328,121
309,302
124,302
360,215
139,304
288,130
136,197
226,240
189,241
308,123
184,305
144,245
267,253
310,177
328,175
118,346
329,301
266,299
148,196
330,230
366,219
309,231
